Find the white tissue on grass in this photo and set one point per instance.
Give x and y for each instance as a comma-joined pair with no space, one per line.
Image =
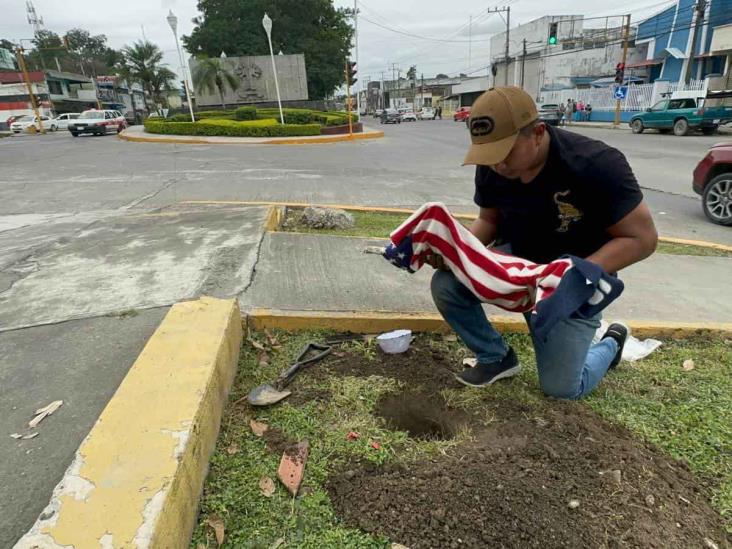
635,349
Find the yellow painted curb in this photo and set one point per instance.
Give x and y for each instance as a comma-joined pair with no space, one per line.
376,321
275,214
315,139
700,243
138,475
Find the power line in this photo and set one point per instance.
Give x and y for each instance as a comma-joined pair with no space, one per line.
418,36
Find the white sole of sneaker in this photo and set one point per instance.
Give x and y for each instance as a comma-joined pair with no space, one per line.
503,375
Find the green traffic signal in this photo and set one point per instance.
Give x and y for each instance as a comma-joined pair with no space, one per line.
552,40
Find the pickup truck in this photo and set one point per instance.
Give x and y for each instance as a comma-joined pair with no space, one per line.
681,116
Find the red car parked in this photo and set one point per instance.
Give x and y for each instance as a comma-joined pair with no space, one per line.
713,181
463,113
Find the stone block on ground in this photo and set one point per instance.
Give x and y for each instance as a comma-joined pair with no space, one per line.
326,218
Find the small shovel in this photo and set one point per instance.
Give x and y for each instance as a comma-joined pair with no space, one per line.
267,394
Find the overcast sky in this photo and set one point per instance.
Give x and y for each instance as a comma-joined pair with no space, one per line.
123,22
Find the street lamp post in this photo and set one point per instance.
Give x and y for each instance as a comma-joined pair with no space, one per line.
267,24
173,22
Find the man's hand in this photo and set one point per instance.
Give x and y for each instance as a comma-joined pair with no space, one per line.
435,261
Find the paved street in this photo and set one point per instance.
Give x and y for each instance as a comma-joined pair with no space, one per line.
415,163
94,245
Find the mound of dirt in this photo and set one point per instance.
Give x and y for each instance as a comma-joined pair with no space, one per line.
554,476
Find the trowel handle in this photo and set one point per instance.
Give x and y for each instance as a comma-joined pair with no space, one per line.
286,376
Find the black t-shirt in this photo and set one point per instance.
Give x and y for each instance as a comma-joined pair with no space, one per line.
585,187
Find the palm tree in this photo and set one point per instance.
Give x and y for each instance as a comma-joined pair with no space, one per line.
142,62
211,75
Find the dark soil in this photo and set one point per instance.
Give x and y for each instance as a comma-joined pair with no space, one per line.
422,415
510,485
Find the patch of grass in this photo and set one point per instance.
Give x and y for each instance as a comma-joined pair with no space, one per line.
688,414
380,225
688,249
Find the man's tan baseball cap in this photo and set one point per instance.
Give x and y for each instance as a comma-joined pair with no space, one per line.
496,118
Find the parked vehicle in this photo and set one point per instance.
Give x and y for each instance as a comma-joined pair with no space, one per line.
408,116
426,113
24,122
713,181
463,113
390,116
681,115
550,114
98,122
62,120
377,113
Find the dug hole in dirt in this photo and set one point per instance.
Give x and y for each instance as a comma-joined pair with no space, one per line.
554,475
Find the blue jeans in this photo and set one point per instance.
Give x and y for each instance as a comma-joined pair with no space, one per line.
569,365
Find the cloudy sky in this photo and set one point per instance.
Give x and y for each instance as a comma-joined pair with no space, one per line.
444,23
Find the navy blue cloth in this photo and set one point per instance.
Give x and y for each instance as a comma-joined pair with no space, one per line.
584,291
401,255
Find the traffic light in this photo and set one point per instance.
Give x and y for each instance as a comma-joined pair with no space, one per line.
351,72
553,29
619,73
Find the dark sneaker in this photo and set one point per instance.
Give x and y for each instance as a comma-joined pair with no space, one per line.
485,374
619,332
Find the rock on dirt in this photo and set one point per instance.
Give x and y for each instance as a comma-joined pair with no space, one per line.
326,218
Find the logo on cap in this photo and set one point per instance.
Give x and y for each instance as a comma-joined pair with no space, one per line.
480,126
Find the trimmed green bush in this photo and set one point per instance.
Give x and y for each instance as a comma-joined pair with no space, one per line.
252,128
246,113
292,116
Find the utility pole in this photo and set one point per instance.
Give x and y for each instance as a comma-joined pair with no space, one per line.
421,91
348,101
382,90
355,22
507,11
523,63
508,31
29,87
701,6
626,36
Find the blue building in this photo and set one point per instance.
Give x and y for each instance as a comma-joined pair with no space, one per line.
666,38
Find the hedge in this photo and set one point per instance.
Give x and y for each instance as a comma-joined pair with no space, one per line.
231,129
239,123
246,113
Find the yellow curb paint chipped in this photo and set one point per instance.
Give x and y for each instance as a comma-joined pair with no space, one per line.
310,140
137,477
383,321
365,322
275,214
700,243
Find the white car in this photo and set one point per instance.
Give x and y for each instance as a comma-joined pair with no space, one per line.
408,116
62,120
24,122
98,122
427,113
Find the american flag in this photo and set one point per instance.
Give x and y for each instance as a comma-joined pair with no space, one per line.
507,281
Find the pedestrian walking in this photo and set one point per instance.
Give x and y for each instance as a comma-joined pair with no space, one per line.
574,110
588,111
547,192
570,104
562,112
439,112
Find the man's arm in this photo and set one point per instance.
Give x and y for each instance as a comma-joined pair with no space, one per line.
633,239
485,227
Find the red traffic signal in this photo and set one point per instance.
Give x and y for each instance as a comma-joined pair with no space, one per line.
351,72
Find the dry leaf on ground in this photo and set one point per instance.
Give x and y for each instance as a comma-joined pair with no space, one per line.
232,449
263,359
272,339
450,337
267,486
44,412
277,543
257,345
688,364
218,527
257,427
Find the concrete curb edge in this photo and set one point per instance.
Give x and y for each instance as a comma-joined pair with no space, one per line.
383,321
137,477
313,140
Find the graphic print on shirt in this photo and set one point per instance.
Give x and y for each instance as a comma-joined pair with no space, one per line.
568,213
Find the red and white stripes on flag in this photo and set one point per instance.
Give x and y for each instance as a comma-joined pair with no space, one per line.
509,282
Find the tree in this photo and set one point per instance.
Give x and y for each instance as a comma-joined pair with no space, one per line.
211,75
312,27
142,62
412,73
442,76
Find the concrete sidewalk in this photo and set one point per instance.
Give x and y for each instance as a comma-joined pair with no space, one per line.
723,130
331,273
